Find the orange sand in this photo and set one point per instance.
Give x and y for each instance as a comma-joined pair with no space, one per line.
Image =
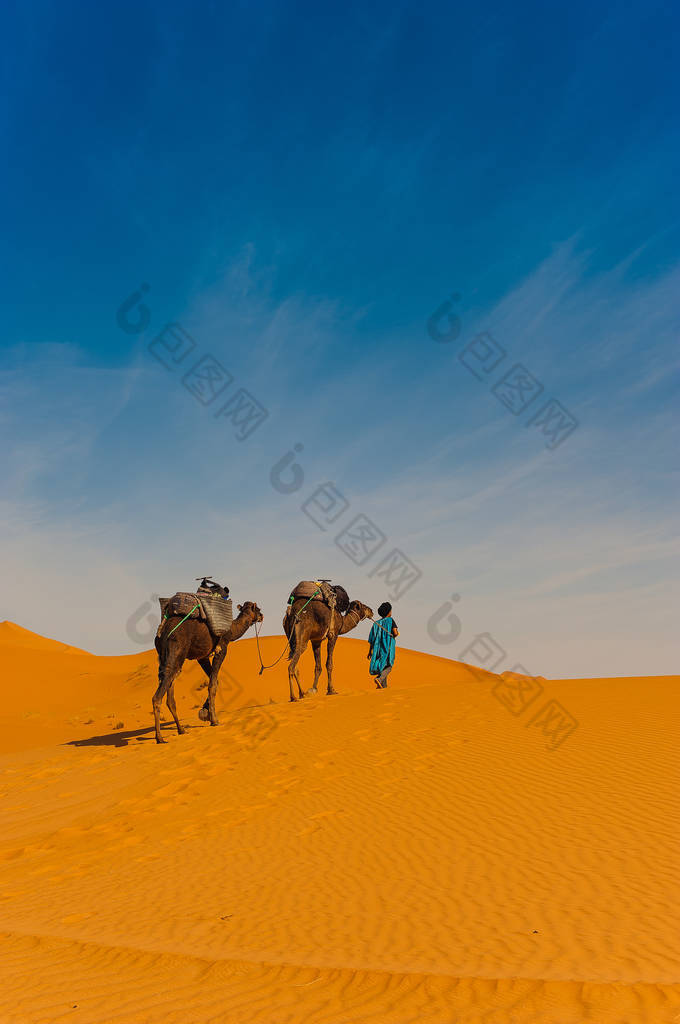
416,854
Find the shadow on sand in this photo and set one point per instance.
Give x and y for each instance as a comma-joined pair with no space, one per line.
123,738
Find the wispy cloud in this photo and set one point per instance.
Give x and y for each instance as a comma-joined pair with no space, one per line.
121,484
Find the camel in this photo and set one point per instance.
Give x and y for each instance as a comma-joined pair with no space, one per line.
310,621
194,640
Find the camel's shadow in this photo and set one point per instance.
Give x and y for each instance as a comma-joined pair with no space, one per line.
123,738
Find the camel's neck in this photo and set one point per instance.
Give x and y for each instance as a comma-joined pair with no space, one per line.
239,626
350,619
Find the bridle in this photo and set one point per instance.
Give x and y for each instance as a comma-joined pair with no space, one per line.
352,611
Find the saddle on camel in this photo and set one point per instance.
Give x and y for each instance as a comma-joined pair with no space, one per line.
210,603
333,595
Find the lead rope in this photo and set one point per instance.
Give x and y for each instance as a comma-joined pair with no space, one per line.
377,623
264,667
257,637
262,664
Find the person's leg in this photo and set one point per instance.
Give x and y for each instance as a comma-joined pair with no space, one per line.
382,678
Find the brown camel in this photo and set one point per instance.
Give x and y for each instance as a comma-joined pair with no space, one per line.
194,640
310,621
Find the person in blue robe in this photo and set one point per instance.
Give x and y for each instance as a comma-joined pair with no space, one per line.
382,645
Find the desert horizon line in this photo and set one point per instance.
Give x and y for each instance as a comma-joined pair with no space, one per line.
75,649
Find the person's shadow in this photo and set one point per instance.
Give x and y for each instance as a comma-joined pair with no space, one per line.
122,738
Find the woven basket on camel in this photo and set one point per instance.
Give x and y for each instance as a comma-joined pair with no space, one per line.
218,613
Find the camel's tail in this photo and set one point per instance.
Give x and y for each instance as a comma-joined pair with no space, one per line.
289,630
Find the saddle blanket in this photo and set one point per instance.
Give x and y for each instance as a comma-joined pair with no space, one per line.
330,594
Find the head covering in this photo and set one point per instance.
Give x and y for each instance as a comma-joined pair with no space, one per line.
384,609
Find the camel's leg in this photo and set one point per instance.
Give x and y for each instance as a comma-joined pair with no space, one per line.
173,708
167,673
293,663
316,647
204,713
218,657
329,663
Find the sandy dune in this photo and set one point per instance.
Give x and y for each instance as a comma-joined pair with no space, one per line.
431,852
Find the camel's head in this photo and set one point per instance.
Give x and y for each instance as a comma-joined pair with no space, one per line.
363,610
251,610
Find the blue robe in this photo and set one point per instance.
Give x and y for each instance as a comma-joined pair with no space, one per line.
383,645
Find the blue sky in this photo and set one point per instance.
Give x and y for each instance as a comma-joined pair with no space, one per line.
301,187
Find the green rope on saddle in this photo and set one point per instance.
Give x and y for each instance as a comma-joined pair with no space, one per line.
317,591
292,599
184,619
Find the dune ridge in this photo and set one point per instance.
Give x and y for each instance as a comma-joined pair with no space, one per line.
13,635
233,991
414,854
